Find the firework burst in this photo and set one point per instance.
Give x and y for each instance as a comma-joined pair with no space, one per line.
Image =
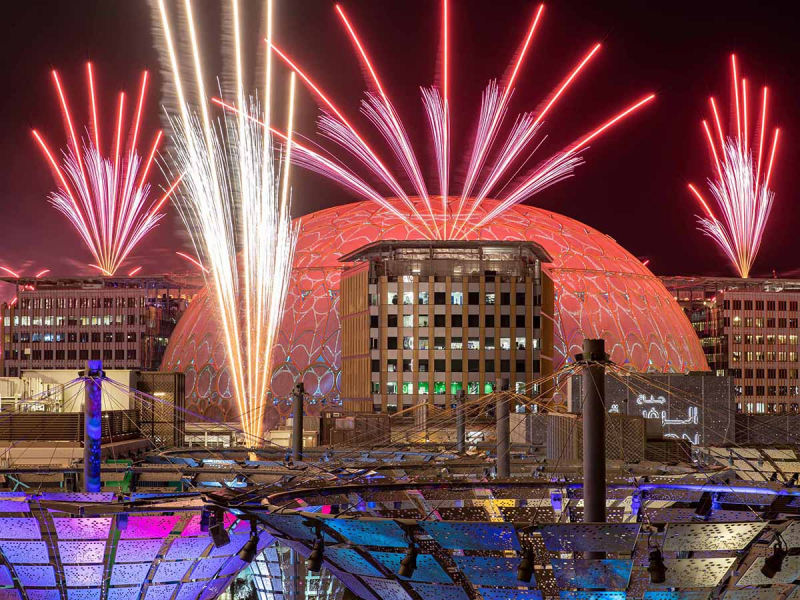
491,164
235,203
740,186
107,200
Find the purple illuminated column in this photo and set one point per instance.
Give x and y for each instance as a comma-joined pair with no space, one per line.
92,426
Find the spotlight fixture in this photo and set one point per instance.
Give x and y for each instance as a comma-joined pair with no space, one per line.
250,548
409,563
657,568
314,562
525,568
773,563
216,527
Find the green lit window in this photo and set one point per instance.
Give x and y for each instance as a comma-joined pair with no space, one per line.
438,387
488,388
456,386
473,387
422,387
408,387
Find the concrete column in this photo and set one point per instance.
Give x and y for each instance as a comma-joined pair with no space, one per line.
503,430
594,433
461,430
92,426
297,421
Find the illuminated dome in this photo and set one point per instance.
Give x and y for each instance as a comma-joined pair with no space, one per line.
601,291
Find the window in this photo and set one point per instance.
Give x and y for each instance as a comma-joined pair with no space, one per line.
391,343
84,354
473,297
439,387
521,343
376,387
49,337
759,305
423,365
771,339
505,343
439,320
391,388
456,320
375,365
439,298
95,354
408,365
373,299
37,321
748,305
736,356
408,320
737,321
488,343
455,387
439,365
472,387
108,354
423,320
422,298
108,320
455,343
520,366
408,387
108,336
373,321
48,320
391,297
438,343
488,388
408,342
422,387
59,355
793,305
456,298
48,355
488,366
760,340
391,365
781,304
473,320
490,299
519,387
408,298
505,320
505,299
473,343
473,366
520,320
520,298
770,304
456,365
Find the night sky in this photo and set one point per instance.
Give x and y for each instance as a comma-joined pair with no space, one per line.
632,187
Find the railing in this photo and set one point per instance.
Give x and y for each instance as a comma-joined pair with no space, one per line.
65,427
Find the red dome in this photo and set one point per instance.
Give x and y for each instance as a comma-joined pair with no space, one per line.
601,291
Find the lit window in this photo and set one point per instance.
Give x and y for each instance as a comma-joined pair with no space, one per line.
737,321
37,321
438,387
488,343
408,388
423,320
408,298
408,320
519,387
391,387
376,387
423,343
535,342
473,387
505,343
455,387
408,342
423,298
456,298
520,343
48,320
455,343
408,279
488,388
422,387
473,343
391,297
490,298
736,357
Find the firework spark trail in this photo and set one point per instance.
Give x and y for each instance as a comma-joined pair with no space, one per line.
741,186
379,109
106,200
236,205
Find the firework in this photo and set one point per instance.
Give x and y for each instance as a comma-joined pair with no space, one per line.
107,200
740,186
235,201
441,218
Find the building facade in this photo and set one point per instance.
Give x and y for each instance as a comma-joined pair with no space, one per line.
749,329
424,320
61,323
